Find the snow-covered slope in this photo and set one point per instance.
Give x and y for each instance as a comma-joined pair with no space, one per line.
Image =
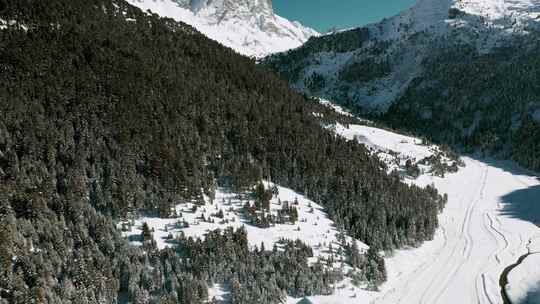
440,16
313,227
481,232
249,26
395,150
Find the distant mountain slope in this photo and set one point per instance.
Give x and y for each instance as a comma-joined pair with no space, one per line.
462,72
250,27
108,113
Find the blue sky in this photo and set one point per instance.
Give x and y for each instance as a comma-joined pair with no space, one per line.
325,14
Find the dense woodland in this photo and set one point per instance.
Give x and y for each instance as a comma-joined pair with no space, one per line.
488,102
106,111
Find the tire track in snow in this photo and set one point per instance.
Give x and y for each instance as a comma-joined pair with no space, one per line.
499,233
469,243
444,260
502,246
404,290
447,261
464,264
499,238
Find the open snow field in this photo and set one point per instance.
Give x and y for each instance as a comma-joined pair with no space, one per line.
479,237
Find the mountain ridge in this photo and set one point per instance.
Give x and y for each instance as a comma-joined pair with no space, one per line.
406,70
250,27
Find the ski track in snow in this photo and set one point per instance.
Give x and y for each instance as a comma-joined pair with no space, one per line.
476,239
475,243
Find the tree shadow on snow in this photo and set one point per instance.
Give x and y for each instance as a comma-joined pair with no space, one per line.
523,204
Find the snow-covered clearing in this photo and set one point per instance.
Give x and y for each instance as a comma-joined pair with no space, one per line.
339,109
380,139
313,226
392,148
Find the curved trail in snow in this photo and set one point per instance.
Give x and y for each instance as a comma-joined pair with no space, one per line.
473,246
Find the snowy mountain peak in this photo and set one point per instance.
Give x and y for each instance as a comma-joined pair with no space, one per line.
437,16
249,26
227,8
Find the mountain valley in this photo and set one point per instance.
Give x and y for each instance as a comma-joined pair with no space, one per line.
213,152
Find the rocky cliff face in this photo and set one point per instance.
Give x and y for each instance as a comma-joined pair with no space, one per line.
249,26
220,10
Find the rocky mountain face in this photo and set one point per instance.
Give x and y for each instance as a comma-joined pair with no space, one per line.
250,27
461,72
220,10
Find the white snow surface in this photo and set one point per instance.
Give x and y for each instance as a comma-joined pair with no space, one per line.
391,148
219,293
339,109
433,16
477,239
250,28
383,140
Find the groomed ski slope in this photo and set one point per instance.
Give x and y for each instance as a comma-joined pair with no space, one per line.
479,234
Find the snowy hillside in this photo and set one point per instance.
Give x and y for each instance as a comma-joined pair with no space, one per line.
460,72
375,64
249,27
399,151
439,16
480,235
313,226
481,232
